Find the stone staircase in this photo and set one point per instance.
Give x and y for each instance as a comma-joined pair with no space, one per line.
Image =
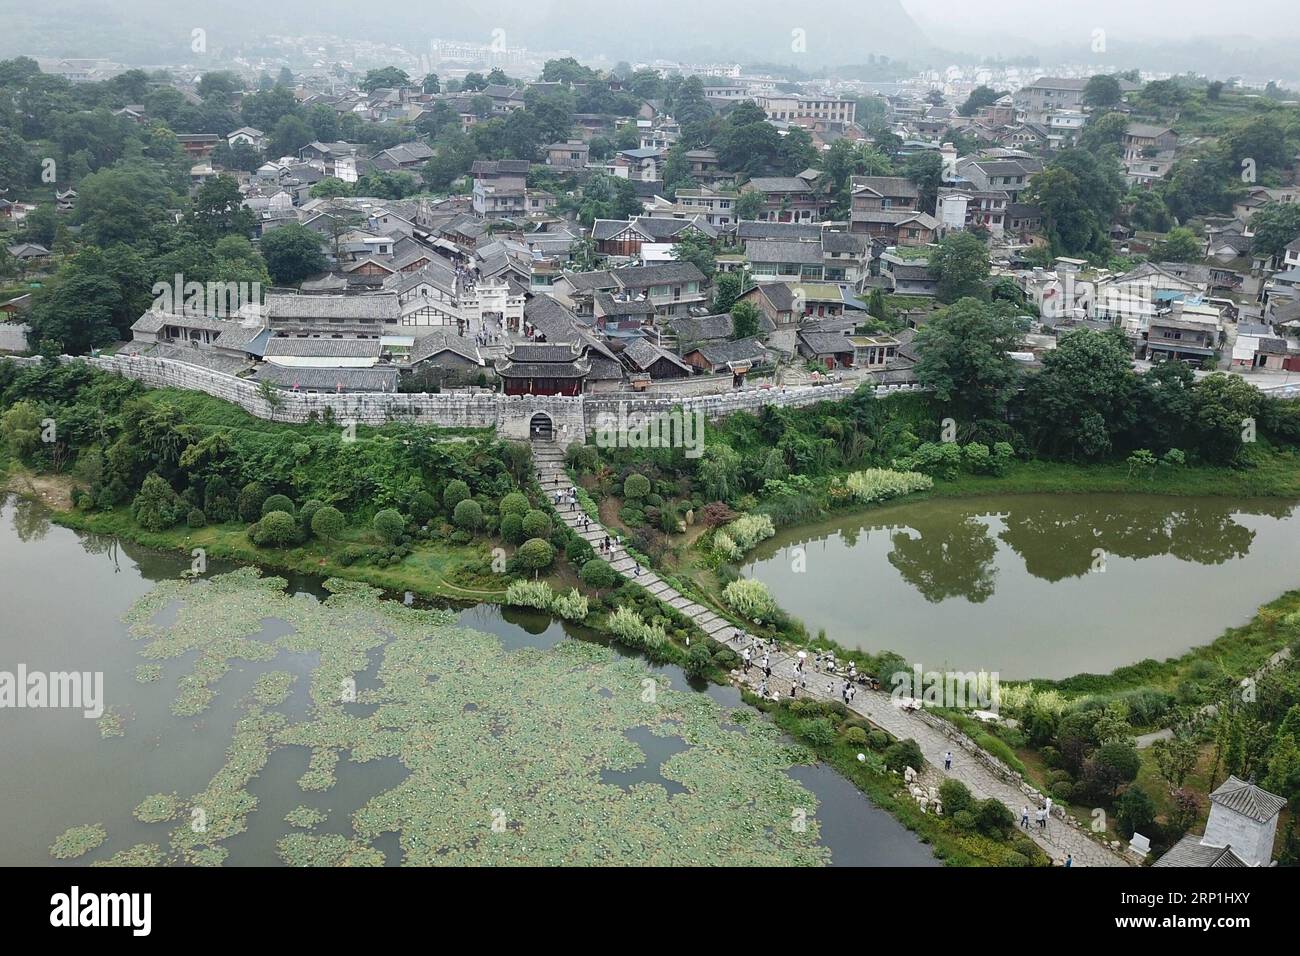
878,707
548,461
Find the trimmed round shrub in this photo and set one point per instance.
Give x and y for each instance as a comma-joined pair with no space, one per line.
454,493
277,503
512,528
597,574
275,530
389,524
308,511
468,515
515,503
963,820
855,736
535,554
327,523
537,524
250,501
636,486
196,518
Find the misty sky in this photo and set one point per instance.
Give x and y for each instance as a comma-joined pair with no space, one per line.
1147,19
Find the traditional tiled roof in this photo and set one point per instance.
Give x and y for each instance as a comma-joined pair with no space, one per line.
748,229
1247,799
1190,851
891,187
642,354
381,379
442,340
324,307
640,277
703,328
779,184
294,346
741,350
826,343
772,250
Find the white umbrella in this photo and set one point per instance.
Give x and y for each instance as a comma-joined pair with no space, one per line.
802,655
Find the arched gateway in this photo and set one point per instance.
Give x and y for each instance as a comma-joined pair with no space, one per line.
541,427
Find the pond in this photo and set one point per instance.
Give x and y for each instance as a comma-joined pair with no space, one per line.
1035,585
303,725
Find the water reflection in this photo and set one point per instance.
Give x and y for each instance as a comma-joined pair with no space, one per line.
1026,584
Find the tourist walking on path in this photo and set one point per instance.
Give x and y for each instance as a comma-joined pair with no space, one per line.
947,760
1024,817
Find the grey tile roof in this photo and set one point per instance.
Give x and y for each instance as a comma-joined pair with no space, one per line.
382,379
640,277
293,346
1248,799
703,328
443,340
893,187
779,184
642,354
826,343
324,307
773,250
758,229
741,350
1190,851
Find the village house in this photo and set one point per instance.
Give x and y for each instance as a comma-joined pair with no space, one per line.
247,135
790,198
571,154
674,288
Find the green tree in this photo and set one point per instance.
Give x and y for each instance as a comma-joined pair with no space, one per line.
535,555
979,98
961,264
390,77
1102,91
749,205
697,250
1134,811
1275,225
157,506
389,524
962,356
1179,245
1086,395
745,319
276,529
468,515
597,574
292,252
727,288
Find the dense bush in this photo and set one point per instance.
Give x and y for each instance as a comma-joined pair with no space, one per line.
327,522
196,518
251,497
468,515
636,486
275,530
157,507
515,503
880,484
535,555
537,524
534,594
389,524
597,574
277,503
453,493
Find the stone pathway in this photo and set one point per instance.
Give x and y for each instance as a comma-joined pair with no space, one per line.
1059,838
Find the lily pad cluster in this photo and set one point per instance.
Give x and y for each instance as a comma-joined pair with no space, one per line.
505,752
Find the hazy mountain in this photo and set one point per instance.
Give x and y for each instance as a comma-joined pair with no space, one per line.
834,31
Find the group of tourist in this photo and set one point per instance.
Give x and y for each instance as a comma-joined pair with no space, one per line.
1041,816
